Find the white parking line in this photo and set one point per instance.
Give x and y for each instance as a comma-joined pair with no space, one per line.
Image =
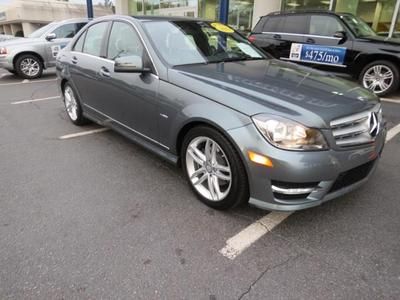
26,81
397,101
392,132
78,134
35,100
245,238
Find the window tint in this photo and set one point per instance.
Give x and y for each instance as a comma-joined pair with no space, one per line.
123,41
324,25
65,31
79,43
94,37
294,24
274,24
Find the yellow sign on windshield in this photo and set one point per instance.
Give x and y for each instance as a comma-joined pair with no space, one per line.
221,27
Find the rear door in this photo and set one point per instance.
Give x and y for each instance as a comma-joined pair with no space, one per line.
277,33
86,59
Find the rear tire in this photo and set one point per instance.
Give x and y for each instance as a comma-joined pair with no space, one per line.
381,77
221,169
73,106
29,66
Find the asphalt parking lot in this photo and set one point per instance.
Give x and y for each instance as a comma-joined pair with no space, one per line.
95,216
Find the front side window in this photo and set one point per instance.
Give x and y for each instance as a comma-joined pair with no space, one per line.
65,31
124,41
94,38
324,25
199,42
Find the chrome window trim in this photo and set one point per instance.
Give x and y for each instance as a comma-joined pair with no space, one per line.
305,35
127,127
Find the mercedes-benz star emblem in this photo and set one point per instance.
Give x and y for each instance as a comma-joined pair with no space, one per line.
373,124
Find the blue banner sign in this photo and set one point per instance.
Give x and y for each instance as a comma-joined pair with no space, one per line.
317,54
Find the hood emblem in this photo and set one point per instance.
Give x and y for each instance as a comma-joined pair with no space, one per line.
373,124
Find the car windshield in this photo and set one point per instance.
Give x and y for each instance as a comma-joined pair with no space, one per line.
38,33
199,42
358,26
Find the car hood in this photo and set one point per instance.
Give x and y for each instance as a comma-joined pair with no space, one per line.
382,40
311,97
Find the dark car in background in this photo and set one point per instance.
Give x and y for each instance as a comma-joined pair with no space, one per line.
337,42
243,126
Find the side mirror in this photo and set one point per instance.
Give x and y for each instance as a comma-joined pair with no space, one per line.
51,36
340,35
130,64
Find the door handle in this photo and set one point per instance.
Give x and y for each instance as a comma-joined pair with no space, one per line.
277,36
104,72
74,60
310,41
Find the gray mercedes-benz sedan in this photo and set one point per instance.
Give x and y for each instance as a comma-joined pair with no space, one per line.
244,127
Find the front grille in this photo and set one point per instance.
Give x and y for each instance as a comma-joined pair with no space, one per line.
357,129
352,176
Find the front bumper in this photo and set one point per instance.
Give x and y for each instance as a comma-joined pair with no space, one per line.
318,176
6,62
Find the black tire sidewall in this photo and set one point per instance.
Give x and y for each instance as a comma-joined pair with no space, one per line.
389,64
18,66
239,192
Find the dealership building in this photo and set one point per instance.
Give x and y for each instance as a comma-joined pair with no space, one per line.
381,15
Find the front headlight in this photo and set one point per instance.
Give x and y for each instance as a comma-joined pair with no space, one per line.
289,135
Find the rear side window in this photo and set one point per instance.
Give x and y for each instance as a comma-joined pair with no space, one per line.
294,24
94,38
274,24
324,25
124,41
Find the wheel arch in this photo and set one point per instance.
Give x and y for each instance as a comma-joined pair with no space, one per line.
30,53
207,123
364,60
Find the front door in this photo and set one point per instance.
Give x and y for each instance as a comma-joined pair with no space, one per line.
129,99
325,50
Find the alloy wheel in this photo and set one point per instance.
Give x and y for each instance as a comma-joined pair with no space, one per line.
208,168
378,78
30,67
70,103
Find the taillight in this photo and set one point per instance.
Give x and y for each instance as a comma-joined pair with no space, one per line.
3,51
251,38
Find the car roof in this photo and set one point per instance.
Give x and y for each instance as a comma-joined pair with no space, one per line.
165,18
306,11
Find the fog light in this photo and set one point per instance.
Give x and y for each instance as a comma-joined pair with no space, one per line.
260,159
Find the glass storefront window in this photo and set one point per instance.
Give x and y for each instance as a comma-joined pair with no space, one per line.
163,7
241,14
377,14
305,4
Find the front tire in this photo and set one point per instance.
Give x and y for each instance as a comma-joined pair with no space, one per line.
73,106
29,66
214,169
381,77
